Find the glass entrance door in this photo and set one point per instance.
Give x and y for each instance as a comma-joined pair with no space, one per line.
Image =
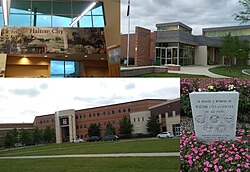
169,56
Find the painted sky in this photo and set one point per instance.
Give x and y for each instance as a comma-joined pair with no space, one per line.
23,99
197,14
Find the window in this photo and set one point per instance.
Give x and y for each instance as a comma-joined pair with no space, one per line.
119,110
41,122
98,114
54,13
84,116
90,115
134,119
124,110
81,126
113,112
113,122
170,114
108,113
80,116
128,109
163,115
76,117
104,113
142,118
64,69
138,119
93,114
85,126
77,126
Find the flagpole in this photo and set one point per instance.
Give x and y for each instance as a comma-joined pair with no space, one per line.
128,45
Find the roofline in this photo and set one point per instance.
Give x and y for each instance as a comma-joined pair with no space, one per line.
120,104
226,28
16,123
165,103
174,23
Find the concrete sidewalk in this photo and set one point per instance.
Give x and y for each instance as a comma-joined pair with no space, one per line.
97,155
198,70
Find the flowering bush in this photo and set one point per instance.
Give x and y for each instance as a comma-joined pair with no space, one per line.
216,156
215,85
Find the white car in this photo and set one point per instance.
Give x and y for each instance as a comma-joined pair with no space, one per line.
165,135
78,140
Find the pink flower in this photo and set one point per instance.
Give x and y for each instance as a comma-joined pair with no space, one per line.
190,162
216,168
216,160
238,170
205,169
206,163
220,167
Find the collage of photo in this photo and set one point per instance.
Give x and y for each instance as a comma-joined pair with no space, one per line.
124,85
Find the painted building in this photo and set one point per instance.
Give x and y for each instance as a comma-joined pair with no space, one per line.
174,44
39,41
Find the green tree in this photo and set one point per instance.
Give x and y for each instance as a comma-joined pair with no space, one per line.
109,129
153,126
243,15
94,130
37,135
125,126
9,140
15,134
47,135
24,136
233,47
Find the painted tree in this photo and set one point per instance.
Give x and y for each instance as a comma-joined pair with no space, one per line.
244,15
47,135
37,135
94,130
125,126
153,126
109,129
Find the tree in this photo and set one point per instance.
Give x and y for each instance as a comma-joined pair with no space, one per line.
94,130
109,129
233,47
24,136
243,15
153,126
125,126
47,135
9,140
37,135
15,134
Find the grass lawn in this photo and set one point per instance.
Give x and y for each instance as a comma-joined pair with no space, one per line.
124,146
170,164
234,72
172,75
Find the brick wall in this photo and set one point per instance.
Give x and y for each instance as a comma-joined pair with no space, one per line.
142,46
144,70
124,45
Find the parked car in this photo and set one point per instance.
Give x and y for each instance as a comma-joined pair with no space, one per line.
110,138
78,140
93,139
165,135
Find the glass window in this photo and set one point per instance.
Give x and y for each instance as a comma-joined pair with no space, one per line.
163,115
62,8
43,20
97,11
19,20
42,7
170,114
81,126
98,21
64,69
59,21
86,21
142,118
20,7
90,115
113,112
57,69
76,117
80,116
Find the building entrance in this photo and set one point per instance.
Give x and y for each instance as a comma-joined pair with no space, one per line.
166,56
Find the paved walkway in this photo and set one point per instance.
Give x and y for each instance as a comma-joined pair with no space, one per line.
198,70
97,155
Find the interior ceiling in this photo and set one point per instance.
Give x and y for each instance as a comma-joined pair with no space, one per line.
59,7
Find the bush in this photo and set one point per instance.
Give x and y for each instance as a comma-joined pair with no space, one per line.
215,156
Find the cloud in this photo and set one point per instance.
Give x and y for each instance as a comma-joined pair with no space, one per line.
44,86
29,112
197,14
166,93
130,86
31,92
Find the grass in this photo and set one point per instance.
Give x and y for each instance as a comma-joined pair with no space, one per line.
129,146
233,72
173,75
92,164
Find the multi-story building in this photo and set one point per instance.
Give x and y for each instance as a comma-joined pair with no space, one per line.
71,124
174,44
49,38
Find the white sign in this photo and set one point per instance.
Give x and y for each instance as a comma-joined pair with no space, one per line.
214,115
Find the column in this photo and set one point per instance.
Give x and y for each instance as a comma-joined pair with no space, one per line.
58,128
70,128
178,54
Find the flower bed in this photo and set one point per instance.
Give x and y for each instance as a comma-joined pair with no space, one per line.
215,156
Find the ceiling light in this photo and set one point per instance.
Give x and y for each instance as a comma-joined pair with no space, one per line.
85,56
85,11
45,56
66,56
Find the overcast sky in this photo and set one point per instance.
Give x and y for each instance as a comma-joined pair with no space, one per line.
23,99
197,14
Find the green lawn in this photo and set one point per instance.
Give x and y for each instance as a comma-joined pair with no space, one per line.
127,146
233,72
172,75
170,164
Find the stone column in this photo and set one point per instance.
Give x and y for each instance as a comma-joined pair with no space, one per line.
58,128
